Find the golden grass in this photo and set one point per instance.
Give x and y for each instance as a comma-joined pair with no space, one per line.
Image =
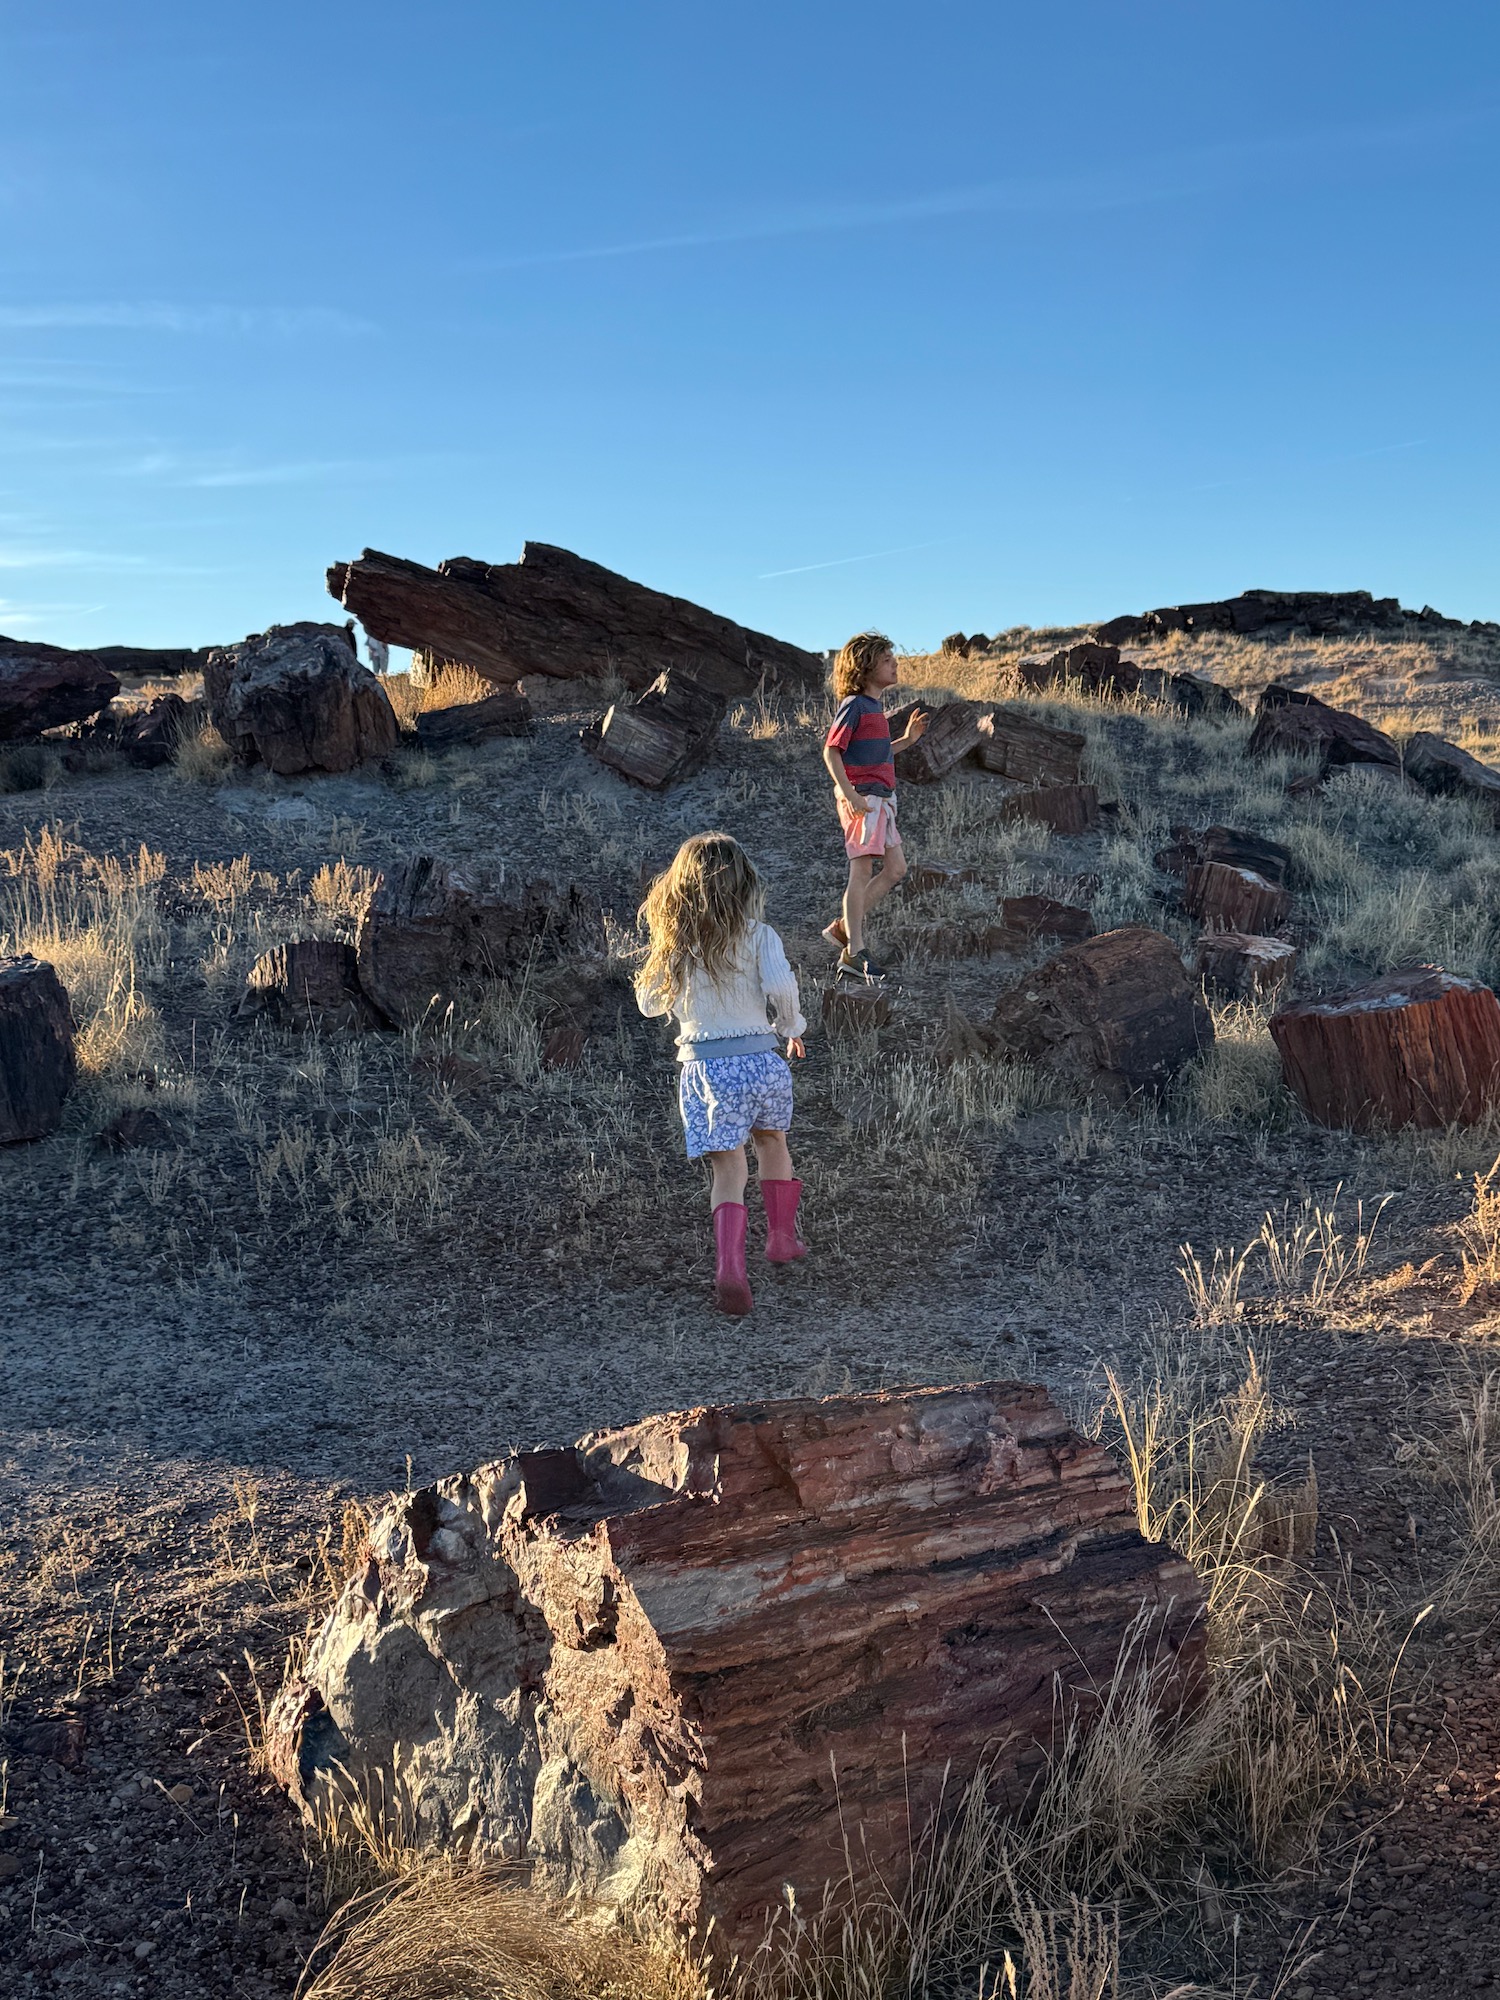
441,685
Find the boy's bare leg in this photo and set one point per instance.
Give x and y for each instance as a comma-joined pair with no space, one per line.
861,874
892,871
773,1156
730,1173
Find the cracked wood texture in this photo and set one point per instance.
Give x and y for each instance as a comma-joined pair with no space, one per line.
37,1063
1414,1048
673,1665
554,613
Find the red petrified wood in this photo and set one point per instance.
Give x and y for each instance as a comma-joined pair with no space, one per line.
1414,1048
679,1666
1225,898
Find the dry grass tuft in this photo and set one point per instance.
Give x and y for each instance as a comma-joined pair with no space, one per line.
202,756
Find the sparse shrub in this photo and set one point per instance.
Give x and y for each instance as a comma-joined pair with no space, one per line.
27,767
202,756
1238,1080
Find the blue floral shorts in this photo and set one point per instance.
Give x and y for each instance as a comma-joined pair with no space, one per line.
725,1099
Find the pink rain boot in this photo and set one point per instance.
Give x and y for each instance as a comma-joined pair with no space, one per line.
731,1286
783,1244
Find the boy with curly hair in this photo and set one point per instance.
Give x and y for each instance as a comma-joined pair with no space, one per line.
859,754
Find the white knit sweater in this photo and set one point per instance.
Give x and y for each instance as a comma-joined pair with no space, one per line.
734,1006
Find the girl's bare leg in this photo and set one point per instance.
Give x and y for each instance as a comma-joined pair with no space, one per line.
730,1173
773,1156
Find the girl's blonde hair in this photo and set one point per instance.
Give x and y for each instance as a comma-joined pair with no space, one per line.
698,908
857,661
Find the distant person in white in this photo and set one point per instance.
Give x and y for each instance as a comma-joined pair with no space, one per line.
380,655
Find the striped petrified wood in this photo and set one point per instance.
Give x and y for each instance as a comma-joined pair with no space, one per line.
1226,898
1414,1048
683,1664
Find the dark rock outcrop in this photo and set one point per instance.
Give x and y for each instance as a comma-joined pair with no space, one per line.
37,1063
296,699
43,687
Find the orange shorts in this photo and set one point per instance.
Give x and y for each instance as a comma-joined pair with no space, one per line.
868,834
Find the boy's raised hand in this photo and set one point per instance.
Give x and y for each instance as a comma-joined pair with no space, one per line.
794,1046
917,726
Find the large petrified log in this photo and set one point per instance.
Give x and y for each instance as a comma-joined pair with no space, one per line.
1413,1048
296,699
854,1007
1190,695
43,687
661,736
144,733
1015,745
1272,614
554,613
503,713
1443,770
952,734
1190,849
1065,809
1094,668
1116,1014
1045,916
309,982
1244,967
1225,898
430,929
1287,719
37,1064
679,1666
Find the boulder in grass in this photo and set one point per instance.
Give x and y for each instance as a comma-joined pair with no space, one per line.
692,1667
1088,666
1045,917
1115,1015
144,733
44,687
296,699
1190,849
662,736
1288,720
312,982
854,1007
1420,1048
1226,898
37,1061
1243,967
503,713
1442,770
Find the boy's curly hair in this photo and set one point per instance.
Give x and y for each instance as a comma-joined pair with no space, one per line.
853,666
699,908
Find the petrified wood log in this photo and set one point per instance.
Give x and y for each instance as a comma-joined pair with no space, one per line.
1289,720
310,981
938,875
1066,809
503,713
296,699
952,734
1115,1014
1443,770
1016,745
42,687
1045,916
430,929
1189,850
1243,967
553,613
144,733
1094,668
1276,613
678,1666
1413,1048
850,1007
37,1064
1224,898
662,736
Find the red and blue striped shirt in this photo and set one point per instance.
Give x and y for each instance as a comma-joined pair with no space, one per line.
862,736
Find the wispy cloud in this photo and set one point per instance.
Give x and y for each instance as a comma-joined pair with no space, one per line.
838,562
1123,183
21,557
156,317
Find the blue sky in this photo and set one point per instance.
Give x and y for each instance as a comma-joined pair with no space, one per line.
959,315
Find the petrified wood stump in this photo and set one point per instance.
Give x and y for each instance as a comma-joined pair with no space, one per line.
554,613
680,1665
1244,967
1224,898
1116,1014
429,929
662,736
1065,809
312,981
37,1064
851,1007
1015,745
1190,849
1441,769
296,699
1287,719
931,874
1414,1048
1045,916
952,734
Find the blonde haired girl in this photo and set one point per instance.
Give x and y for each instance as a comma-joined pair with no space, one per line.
713,964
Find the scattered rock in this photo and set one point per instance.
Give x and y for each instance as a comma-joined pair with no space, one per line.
1443,770
10,1867
503,713
180,1795
662,736
683,1664
429,929
296,699
1093,668
310,982
850,1007
1045,916
1189,850
144,733
952,735
555,614
43,687
1420,1047
137,1128
1270,614
37,1063
1199,699
1289,721
53,1739
1226,898
938,875
1242,967
1066,809
1015,745
1116,1014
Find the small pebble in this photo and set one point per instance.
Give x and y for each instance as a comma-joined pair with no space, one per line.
181,1795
